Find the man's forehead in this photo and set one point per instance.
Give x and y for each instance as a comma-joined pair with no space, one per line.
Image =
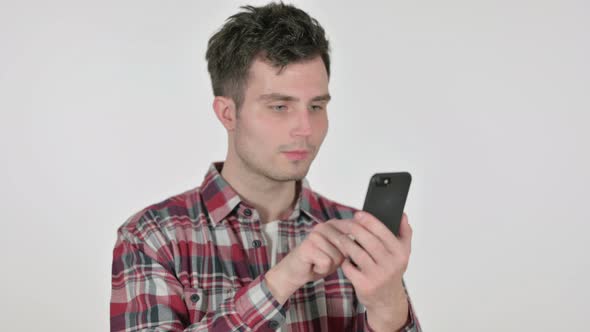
264,64
297,81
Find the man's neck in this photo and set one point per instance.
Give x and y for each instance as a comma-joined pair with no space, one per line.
270,198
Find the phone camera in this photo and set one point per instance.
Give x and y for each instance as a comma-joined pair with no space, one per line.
382,181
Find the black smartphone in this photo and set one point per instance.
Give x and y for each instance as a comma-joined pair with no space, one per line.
386,198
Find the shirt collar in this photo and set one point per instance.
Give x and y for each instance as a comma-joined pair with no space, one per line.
221,199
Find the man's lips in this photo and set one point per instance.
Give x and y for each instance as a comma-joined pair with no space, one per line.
296,154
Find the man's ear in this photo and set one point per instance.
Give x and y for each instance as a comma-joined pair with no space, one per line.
225,109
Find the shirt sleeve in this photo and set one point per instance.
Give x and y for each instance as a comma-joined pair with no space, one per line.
146,295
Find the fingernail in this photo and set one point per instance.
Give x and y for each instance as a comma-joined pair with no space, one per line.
359,215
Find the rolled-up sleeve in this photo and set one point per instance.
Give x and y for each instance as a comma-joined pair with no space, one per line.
146,295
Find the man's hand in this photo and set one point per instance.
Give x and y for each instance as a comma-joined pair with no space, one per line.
314,258
381,259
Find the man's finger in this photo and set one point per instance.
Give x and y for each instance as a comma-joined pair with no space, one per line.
361,257
333,234
378,229
405,232
366,240
323,244
353,273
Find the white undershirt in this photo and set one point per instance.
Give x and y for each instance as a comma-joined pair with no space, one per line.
270,231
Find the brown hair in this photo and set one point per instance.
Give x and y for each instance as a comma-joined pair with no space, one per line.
279,33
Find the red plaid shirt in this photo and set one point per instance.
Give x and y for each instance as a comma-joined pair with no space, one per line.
197,260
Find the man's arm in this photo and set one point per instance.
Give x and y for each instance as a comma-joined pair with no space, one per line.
147,295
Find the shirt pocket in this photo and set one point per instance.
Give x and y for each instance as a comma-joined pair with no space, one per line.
200,301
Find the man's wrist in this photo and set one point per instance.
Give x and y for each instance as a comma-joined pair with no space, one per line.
389,320
279,285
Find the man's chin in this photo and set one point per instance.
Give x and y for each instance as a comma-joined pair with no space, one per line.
286,177
291,175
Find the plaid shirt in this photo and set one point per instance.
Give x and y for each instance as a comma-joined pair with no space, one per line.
197,260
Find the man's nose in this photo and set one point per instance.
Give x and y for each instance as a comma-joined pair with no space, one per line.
303,124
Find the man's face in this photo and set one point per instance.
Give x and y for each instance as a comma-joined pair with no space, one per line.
283,119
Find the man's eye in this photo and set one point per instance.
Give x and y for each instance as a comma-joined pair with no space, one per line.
317,107
279,108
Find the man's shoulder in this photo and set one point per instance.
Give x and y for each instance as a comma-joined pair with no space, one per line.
183,209
326,208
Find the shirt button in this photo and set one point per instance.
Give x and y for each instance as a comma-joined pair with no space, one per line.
256,243
273,324
248,212
195,298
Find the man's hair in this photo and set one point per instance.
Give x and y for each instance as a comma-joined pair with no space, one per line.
278,33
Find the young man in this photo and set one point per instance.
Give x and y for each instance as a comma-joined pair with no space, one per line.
253,248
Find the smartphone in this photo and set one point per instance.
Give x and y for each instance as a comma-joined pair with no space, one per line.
386,198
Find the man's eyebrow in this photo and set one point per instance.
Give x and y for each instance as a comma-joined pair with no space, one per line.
280,97
277,96
325,97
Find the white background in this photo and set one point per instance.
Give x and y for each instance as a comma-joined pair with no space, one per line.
105,108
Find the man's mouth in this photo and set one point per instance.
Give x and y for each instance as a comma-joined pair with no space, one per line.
296,154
